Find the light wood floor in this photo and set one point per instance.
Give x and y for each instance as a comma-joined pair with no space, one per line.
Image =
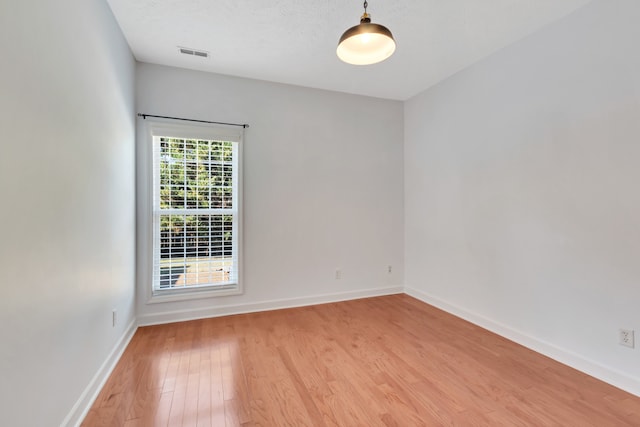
387,361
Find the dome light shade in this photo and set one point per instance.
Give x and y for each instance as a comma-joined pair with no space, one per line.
366,43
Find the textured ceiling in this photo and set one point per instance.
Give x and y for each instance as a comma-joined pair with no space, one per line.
294,41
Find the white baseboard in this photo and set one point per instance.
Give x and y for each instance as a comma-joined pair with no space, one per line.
82,406
595,369
201,313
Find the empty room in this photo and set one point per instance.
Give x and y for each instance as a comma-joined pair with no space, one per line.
340,213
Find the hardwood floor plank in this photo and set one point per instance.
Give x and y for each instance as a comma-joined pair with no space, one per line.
303,392
161,416
179,390
242,395
190,411
204,392
386,361
217,394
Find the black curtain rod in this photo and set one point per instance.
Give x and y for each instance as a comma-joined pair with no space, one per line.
144,116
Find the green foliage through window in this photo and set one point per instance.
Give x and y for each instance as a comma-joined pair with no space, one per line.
195,175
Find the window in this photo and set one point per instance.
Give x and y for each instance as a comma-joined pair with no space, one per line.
196,210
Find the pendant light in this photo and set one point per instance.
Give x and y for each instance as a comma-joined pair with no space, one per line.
366,43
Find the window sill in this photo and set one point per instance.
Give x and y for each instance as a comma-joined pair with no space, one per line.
159,297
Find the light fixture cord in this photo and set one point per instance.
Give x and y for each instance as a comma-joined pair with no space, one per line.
365,17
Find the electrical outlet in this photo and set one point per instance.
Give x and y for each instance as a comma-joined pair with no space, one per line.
114,318
626,338
389,269
338,274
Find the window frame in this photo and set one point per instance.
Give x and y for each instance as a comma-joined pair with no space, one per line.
147,251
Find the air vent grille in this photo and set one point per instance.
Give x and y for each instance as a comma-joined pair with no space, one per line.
193,52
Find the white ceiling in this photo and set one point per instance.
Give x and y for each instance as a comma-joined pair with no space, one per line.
294,41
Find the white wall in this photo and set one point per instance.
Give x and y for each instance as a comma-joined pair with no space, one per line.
322,189
67,129
522,207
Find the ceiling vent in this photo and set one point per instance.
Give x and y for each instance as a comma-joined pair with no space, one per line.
193,52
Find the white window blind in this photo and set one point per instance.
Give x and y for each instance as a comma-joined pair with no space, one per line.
196,212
